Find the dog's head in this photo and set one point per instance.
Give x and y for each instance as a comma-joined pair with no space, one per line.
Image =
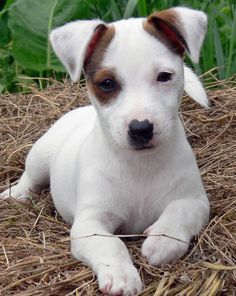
134,70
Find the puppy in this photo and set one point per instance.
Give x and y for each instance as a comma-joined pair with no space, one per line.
124,162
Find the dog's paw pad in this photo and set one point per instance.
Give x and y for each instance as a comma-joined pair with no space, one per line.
120,279
106,288
162,250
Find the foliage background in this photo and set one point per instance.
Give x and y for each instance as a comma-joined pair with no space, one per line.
26,56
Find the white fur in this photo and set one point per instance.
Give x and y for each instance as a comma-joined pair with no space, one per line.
98,182
69,43
195,25
193,87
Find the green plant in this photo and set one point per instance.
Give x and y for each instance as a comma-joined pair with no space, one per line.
25,24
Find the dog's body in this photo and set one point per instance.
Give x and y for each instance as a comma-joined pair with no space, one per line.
124,164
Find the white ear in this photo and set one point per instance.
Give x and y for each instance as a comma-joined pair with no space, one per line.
193,87
194,24
70,44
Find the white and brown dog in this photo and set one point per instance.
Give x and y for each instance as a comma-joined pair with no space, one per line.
124,163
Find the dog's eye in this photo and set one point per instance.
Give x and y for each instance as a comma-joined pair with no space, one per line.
164,76
107,85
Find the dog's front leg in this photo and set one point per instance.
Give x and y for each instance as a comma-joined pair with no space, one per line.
179,222
93,243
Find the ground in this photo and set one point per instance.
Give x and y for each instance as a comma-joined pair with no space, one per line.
35,254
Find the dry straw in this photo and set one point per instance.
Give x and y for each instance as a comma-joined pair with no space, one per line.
34,250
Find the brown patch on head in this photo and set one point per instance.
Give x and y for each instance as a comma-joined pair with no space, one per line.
95,83
166,26
94,72
97,35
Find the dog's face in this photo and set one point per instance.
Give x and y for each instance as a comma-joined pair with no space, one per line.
135,81
134,72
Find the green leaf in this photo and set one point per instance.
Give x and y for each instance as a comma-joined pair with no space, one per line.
232,43
116,15
130,8
2,87
6,6
7,70
219,52
31,21
142,7
5,34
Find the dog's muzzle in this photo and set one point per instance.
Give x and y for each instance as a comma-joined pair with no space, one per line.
140,133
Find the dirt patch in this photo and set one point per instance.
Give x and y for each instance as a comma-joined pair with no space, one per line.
35,250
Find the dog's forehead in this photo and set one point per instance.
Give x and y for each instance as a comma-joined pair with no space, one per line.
132,46
129,54
128,25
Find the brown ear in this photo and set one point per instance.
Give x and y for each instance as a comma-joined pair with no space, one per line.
180,28
97,34
169,25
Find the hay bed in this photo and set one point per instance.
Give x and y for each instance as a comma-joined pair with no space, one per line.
34,250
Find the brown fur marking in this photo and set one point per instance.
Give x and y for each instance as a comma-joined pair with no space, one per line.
98,77
166,26
94,72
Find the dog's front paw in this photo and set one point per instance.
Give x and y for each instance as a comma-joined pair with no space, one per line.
162,250
119,279
15,192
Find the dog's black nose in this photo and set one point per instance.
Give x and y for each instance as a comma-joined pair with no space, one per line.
140,132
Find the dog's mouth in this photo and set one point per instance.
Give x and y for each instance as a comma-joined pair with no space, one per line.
146,147
151,145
